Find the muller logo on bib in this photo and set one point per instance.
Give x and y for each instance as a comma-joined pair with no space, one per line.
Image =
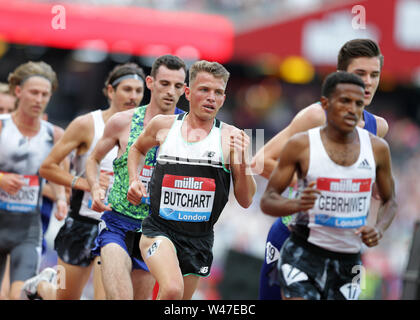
187,198
344,185
188,183
147,171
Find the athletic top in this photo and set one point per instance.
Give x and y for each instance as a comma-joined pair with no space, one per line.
345,196
81,201
23,155
370,125
118,194
190,184
370,122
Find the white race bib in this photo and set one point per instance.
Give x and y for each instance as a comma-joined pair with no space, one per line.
343,203
145,177
25,200
188,199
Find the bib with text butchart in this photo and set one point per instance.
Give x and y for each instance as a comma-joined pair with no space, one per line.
187,199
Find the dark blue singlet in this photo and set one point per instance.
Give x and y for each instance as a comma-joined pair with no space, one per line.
269,288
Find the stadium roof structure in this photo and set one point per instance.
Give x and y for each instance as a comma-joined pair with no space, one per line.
117,29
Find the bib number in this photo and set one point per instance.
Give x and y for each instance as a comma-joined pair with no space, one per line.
25,200
188,199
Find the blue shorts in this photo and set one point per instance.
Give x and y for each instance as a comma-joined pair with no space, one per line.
115,227
269,284
46,209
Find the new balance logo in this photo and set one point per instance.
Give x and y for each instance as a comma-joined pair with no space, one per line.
209,154
204,270
364,165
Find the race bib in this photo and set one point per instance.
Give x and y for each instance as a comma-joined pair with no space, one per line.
343,203
272,253
188,199
145,177
25,200
351,291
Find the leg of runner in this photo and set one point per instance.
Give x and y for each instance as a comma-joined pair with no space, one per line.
143,282
75,275
98,286
116,272
5,278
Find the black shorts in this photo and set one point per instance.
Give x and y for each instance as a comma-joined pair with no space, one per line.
313,273
75,240
194,254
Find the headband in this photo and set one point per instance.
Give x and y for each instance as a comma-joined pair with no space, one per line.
34,75
127,76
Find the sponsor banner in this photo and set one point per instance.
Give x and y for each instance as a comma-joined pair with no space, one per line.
186,216
337,222
344,185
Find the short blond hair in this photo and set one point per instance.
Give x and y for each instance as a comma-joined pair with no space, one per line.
214,68
29,69
4,88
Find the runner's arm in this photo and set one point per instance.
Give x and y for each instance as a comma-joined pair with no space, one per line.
385,185
265,160
149,137
72,138
272,201
109,139
244,185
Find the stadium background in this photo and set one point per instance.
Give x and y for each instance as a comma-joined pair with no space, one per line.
278,52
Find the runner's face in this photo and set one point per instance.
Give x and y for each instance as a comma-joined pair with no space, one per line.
7,103
166,87
206,95
345,106
127,95
369,69
33,96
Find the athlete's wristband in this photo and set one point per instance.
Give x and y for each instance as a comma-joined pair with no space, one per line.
73,182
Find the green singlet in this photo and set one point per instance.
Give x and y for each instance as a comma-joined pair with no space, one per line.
118,194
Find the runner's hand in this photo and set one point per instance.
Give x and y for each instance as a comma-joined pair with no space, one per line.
239,144
370,235
98,199
307,197
11,183
136,192
62,209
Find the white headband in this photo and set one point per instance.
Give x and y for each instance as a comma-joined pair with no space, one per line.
127,76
